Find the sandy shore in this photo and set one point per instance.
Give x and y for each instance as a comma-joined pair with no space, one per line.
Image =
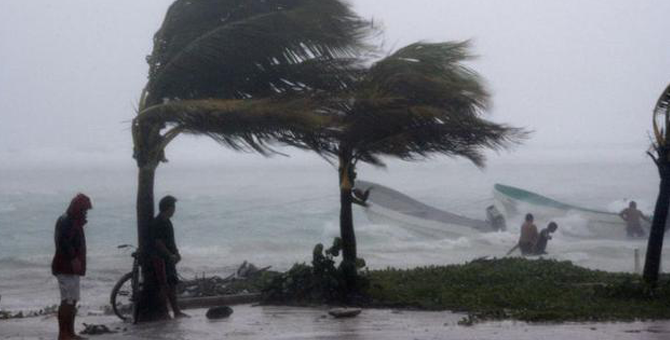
249,322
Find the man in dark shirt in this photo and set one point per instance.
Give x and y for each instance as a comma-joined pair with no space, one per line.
163,252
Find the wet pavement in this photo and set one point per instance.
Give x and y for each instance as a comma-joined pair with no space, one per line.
249,322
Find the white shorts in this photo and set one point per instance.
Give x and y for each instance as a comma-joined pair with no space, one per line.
69,288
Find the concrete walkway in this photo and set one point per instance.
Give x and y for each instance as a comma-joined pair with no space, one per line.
249,322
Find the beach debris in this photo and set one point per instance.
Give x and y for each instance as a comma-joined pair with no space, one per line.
93,329
246,269
48,310
344,312
215,285
219,312
468,320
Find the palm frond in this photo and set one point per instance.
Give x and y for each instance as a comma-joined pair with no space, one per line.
243,124
253,48
429,73
422,100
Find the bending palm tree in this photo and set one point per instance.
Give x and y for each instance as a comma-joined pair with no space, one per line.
415,103
245,73
661,117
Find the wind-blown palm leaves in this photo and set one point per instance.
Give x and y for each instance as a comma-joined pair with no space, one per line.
241,49
417,102
247,73
661,157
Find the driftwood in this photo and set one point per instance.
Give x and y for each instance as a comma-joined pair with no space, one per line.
215,291
217,286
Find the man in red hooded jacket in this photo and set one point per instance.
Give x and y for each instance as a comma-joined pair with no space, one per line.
69,262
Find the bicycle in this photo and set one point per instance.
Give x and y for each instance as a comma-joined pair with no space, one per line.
126,291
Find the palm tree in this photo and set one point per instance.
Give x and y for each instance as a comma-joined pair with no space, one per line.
661,116
415,103
247,73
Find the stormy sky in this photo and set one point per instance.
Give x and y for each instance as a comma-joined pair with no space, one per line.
583,75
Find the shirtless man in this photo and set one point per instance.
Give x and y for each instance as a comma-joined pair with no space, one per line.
632,217
528,237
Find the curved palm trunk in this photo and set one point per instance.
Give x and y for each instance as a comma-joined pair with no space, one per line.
151,306
347,234
347,226
652,261
145,201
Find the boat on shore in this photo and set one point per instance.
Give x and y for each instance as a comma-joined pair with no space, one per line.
386,205
515,202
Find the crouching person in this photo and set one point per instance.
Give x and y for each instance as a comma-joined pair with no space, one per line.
69,262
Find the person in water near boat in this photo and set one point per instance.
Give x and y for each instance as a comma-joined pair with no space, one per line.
495,218
632,217
528,237
69,262
164,255
542,240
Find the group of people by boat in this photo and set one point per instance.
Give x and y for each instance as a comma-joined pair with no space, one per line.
530,241
533,243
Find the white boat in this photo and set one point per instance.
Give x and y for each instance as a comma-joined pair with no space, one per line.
592,223
389,206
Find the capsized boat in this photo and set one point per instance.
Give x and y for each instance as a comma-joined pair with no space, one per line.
595,223
386,205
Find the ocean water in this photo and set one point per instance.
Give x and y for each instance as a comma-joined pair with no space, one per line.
272,213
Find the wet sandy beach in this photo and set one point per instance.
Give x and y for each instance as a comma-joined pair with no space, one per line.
249,322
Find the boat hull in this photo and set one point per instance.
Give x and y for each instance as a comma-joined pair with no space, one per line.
387,206
577,221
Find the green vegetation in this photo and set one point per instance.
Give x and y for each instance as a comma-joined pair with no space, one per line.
510,288
320,283
529,290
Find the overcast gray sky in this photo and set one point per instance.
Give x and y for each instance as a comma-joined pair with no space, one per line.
577,72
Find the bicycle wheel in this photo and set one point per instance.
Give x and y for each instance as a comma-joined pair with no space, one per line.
121,298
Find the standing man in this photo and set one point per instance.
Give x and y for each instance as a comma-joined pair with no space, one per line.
528,237
69,262
164,254
632,217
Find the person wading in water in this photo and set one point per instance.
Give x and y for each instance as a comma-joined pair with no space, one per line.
632,217
528,237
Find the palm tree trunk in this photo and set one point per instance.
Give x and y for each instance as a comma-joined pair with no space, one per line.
145,201
348,265
346,217
652,261
347,226
151,306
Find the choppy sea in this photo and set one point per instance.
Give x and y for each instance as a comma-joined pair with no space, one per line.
272,213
